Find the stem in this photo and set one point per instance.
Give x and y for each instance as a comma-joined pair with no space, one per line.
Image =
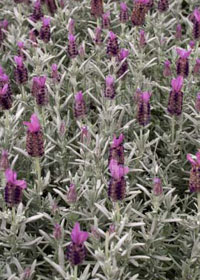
117,209
38,172
107,245
75,272
13,215
173,129
198,202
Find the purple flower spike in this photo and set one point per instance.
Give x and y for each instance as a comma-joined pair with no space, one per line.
78,236
123,6
34,125
46,21
72,194
194,182
109,81
157,188
112,35
14,188
11,178
20,44
71,26
197,15
183,53
178,34
19,61
123,54
54,67
4,90
123,16
34,139
146,96
117,171
197,103
79,96
117,141
98,40
71,38
4,162
177,84
76,251
167,69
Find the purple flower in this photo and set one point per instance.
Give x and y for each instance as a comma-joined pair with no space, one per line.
157,188
18,60
178,34
143,107
78,236
72,47
34,139
57,233
5,97
109,91
163,5
96,8
34,124
98,40
123,16
167,69
14,188
11,178
183,53
113,45
71,23
117,150
194,182
4,162
177,84
79,108
72,194
175,101
197,15
197,103
21,73
142,39
117,170
76,251
196,70
106,20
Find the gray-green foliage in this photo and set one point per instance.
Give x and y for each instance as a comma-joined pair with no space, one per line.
154,240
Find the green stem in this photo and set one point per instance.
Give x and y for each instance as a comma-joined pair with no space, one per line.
173,129
38,172
13,215
75,272
198,202
117,209
107,245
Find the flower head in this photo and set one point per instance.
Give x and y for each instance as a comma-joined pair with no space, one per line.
79,96
78,236
177,83
34,125
146,96
46,21
109,81
123,6
71,38
11,177
157,188
4,89
117,141
54,67
117,171
197,15
183,53
112,35
20,44
123,54
18,61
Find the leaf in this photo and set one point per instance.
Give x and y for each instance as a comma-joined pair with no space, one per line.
57,267
34,218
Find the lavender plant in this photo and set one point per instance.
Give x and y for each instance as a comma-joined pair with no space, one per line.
110,185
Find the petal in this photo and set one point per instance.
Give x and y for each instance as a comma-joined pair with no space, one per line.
75,233
191,160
